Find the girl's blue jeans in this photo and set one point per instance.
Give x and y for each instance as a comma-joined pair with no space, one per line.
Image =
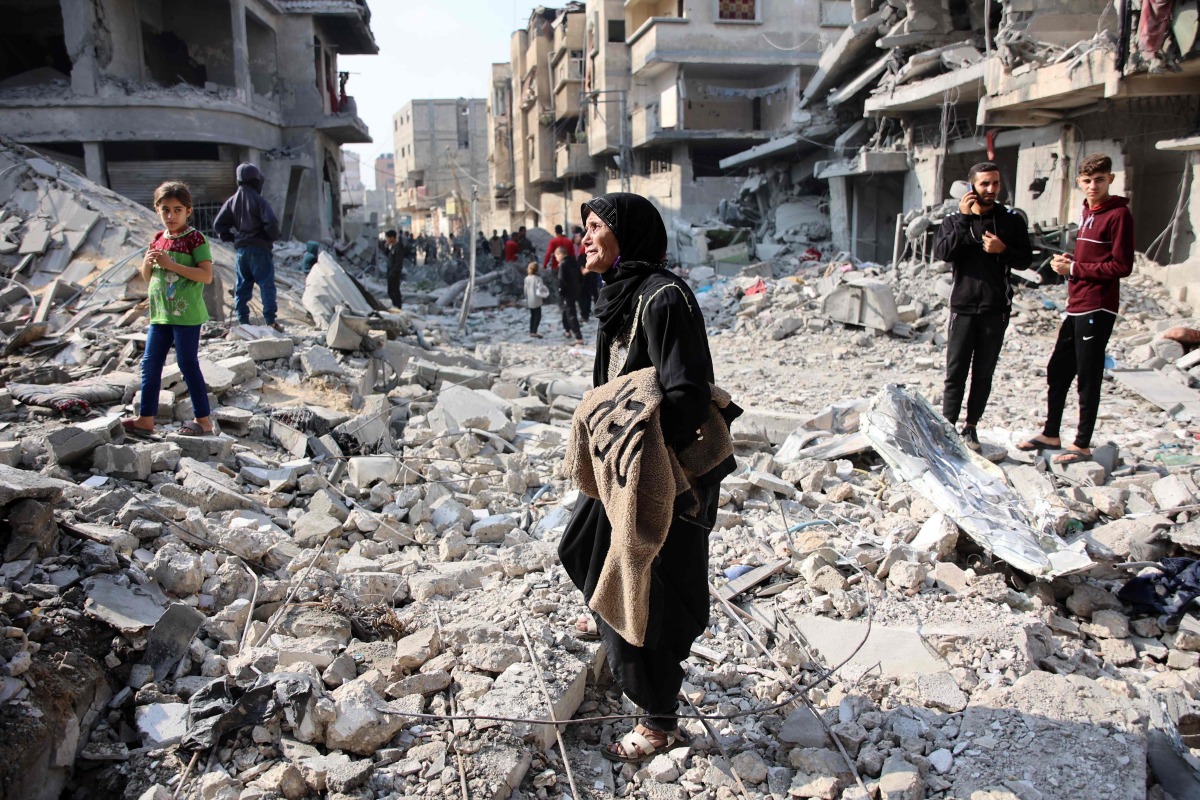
186,339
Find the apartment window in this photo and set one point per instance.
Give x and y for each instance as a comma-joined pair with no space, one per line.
616,30
464,127
655,162
836,13
737,10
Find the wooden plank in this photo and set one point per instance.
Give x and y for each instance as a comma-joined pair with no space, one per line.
751,578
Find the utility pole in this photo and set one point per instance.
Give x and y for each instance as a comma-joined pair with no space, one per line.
471,234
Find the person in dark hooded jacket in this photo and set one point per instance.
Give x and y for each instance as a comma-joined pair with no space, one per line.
247,220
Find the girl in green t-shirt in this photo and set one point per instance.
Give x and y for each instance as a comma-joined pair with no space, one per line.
178,265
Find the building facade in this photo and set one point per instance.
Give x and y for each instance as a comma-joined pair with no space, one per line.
649,95
135,92
920,92
441,152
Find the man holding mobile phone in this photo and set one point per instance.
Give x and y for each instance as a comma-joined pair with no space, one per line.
984,241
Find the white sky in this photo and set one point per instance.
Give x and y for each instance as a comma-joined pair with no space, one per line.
427,49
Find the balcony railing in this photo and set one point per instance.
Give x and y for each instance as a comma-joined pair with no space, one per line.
571,159
344,125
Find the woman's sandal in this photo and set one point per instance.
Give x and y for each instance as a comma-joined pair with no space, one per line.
131,428
585,629
635,747
193,428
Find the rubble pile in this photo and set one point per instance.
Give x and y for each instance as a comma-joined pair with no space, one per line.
353,590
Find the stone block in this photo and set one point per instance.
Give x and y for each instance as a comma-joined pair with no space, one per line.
10,454
217,379
71,444
1172,492
131,462
203,448
166,406
312,528
342,335
459,408
376,587
318,361
269,349
243,368
518,693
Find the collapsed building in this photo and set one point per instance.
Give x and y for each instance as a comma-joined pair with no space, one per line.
912,93
135,93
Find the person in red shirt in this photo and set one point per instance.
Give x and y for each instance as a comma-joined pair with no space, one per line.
1103,255
511,249
558,241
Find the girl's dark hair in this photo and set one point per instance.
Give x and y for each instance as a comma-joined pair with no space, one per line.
173,190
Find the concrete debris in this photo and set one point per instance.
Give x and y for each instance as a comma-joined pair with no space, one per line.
382,511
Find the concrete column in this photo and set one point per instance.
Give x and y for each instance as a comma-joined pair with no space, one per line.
839,212
79,33
94,162
241,50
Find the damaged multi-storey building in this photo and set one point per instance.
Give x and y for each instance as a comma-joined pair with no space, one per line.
915,91
135,92
441,152
648,96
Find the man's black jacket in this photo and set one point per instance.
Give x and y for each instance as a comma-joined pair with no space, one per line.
980,278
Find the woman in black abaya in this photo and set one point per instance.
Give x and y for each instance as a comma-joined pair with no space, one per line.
625,241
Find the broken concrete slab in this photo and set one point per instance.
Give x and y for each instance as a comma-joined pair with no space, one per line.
318,361
129,609
19,484
862,301
270,348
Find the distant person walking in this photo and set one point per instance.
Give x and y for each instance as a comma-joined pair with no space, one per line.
247,220
177,267
569,280
393,251
535,294
984,241
589,282
1103,255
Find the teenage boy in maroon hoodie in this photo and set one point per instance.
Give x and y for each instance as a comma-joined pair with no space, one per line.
1103,255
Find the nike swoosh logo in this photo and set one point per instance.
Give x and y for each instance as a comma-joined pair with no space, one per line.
1088,338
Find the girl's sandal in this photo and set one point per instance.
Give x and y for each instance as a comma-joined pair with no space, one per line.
131,428
193,429
635,747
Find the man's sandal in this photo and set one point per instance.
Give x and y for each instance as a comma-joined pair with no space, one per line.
1037,445
635,747
1072,457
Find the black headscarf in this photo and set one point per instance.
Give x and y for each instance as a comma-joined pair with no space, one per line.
642,238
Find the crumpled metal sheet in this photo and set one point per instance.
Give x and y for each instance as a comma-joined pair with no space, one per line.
924,449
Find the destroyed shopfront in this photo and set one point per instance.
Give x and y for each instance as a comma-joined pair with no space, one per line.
137,93
920,93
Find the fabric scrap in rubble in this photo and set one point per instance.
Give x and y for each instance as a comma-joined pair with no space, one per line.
1171,590
917,442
